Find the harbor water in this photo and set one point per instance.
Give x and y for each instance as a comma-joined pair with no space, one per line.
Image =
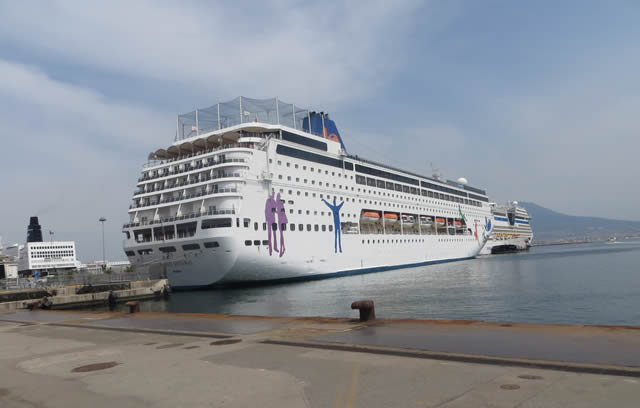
580,284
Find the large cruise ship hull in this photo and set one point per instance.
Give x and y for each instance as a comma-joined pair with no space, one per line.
233,264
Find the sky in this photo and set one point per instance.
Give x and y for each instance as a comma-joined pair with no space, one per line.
534,101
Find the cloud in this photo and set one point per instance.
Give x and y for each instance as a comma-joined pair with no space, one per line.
71,155
307,53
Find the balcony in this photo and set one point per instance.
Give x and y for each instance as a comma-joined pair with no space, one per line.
184,197
187,183
188,166
180,218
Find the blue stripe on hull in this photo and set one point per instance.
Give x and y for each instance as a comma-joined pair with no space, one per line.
318,276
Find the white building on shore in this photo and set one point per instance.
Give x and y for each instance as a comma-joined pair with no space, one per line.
47,257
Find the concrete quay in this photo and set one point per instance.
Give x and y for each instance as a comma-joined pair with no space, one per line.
62,359
68,297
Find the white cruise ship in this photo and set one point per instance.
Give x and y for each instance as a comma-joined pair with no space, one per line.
511,229
256,191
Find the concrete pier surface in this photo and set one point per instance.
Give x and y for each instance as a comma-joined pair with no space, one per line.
62,359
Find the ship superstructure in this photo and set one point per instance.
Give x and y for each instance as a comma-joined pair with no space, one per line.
263,191
512,230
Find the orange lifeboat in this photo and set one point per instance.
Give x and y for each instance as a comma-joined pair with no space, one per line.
458,223
370,216
440,221
390,218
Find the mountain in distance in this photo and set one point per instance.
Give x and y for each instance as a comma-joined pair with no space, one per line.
551,226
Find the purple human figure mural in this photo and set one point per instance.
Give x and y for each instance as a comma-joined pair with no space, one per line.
335,209
270,218
282,221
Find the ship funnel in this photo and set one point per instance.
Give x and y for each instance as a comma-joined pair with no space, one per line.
34,230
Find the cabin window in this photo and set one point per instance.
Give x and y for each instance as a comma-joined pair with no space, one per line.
257,241
130,253
211,244
216,223
190,247
167,249
265,242
246,221
247,242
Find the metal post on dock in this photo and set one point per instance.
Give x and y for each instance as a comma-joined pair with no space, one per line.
102,220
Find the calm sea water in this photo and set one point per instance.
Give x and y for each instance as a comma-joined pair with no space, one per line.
587,284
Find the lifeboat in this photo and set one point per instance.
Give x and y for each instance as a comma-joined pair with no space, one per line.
440,221
408,220
458,223
370,216
424,220
390,218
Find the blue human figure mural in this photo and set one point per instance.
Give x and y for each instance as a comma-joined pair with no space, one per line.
335,209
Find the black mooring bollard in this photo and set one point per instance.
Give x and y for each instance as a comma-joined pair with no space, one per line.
134,306
367,311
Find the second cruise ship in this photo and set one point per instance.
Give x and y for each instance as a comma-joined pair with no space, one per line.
255,191
511,231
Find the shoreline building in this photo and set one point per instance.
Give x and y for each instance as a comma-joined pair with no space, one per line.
38,256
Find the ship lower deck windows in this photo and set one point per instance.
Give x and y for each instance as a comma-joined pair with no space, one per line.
130,253
247,242
190,247
256,242
211,244
265,242
167,249
255,226
145,251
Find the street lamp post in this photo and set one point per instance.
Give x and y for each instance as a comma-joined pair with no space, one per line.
104,264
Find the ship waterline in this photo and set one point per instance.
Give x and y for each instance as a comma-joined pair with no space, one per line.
265,200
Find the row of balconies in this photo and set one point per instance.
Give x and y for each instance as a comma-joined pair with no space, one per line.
180,218
200,179
188,167
192,155
147,203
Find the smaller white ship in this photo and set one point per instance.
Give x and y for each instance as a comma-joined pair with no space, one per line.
612,239
511,229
